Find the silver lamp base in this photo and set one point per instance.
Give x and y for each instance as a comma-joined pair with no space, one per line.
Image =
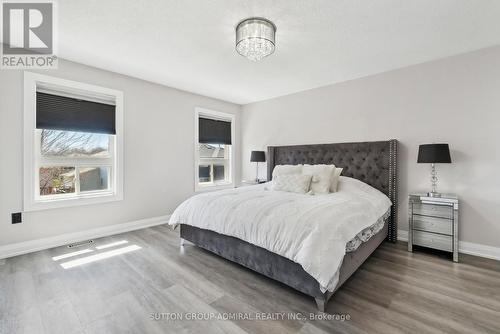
434,180
257,172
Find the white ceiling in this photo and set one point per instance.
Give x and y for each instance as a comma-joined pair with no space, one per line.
189,44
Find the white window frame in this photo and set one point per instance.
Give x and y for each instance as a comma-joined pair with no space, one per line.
32,201
207,113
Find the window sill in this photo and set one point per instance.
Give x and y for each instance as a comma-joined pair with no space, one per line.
213,187
56,203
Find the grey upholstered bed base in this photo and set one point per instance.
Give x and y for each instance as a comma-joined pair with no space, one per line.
275,266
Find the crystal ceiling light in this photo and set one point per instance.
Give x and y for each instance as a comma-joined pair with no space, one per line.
255,38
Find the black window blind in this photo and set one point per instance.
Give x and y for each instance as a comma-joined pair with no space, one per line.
212,131
56,112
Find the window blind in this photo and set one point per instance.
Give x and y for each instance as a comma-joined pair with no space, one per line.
213,131
56,112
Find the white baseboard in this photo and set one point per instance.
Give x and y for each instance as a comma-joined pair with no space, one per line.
465,247
402,235
68,238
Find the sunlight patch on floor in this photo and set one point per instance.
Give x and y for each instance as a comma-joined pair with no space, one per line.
98,257
113,244
65,256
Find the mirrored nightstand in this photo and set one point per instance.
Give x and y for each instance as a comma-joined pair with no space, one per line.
433,222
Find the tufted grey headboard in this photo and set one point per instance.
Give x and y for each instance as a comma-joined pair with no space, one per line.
374,163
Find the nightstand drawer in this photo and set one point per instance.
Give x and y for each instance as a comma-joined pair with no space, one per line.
430,240
432,224
442,211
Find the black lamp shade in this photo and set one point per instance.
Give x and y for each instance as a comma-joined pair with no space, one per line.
434,154
258,156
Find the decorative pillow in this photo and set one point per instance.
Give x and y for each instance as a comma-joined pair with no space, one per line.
335,179
322,177
295,183
286,170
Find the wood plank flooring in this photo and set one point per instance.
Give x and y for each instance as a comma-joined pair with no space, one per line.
136,292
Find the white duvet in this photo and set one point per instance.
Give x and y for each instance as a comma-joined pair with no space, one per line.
310,230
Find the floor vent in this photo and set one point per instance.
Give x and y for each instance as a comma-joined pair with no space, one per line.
81,243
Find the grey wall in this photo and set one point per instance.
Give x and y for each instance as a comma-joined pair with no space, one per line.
158,154
454,100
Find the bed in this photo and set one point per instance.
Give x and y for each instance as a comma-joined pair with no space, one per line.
373,163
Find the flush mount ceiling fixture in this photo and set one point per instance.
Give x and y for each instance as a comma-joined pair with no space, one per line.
255,38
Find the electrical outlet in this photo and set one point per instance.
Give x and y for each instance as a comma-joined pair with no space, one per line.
17,218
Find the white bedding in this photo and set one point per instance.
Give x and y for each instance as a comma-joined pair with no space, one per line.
312,231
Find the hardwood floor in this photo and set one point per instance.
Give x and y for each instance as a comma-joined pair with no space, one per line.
394,291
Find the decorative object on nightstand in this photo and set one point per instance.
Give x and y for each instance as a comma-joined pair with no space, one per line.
257,156
249,183
434,154
433,222
245,183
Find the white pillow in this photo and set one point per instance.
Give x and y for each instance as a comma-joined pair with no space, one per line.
335,180
286,170
295,183
322,177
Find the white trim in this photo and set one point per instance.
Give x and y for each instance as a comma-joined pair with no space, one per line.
31,82
68,238
466,247
215,115
402,235
486,251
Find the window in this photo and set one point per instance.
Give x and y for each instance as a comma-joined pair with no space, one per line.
73,163
214,142
73,136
